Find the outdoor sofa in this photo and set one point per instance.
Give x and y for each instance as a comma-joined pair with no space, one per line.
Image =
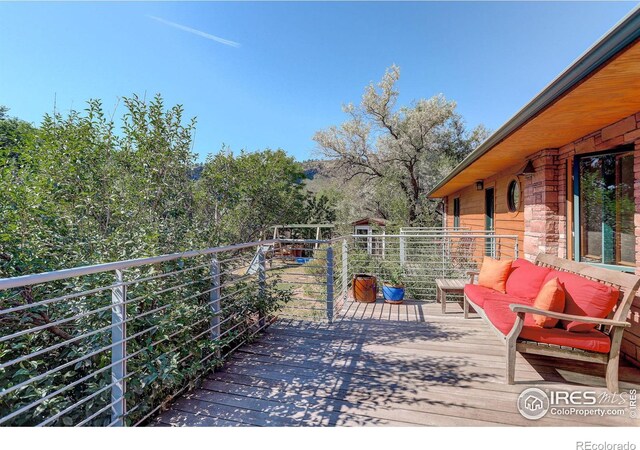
589,328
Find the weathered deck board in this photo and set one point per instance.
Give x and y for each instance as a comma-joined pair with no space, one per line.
409,311
381,365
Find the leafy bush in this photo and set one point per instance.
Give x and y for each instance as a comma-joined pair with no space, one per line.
73,192
169,344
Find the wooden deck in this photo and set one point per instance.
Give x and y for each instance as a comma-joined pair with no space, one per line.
382,365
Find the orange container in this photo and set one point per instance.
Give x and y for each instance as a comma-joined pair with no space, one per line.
365,288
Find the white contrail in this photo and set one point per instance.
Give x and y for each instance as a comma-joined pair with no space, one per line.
196,32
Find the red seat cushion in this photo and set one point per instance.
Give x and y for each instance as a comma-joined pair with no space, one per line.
584,297
593,340
480,294
526,279
503,319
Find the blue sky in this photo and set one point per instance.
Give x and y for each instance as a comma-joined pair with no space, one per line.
294,64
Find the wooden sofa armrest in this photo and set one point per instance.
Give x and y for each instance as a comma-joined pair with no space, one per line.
472,274
585,319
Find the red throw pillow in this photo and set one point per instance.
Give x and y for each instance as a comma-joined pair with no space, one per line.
526,279
584,297
494,274
550,298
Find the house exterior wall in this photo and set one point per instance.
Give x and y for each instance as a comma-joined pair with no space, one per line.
472,212
623,132
544,221
541,208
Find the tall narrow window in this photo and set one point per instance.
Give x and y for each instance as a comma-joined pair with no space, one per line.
489,221
456,212
607,206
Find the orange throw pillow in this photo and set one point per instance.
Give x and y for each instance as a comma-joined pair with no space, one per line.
550,298
494,274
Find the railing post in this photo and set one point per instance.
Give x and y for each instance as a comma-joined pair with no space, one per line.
384,243
118,350
214,299
444,263
317,244
402,252
330,284
345,271
262,281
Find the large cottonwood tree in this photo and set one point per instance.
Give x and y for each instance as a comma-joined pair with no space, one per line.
398,152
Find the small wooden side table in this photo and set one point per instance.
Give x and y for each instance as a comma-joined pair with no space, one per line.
448,285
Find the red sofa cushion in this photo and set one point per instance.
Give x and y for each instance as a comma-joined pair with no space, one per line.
584,297
503,319
480,294
593,340
526,279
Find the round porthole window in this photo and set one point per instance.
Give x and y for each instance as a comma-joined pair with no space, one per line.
513,196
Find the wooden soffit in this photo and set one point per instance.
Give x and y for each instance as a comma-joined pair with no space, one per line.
605,97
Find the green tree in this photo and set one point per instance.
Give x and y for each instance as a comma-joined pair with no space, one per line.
320,209
76,191
79,193
14,133
240,196
398,153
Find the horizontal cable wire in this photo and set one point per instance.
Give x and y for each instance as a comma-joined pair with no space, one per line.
72,362
433,253
102,309
86,377
57,299
97,413
163,275
103,329
78,403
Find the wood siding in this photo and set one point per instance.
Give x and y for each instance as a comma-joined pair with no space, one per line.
472,207
623,132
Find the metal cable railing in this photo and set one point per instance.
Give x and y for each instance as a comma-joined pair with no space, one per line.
419,258
111,344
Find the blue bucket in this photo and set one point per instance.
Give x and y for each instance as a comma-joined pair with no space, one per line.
392,293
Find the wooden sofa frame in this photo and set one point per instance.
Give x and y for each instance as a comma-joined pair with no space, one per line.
613,325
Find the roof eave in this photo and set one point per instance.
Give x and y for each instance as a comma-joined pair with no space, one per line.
624,33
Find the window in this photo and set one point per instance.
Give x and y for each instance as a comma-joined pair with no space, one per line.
456,212
490,220
605,209
513,196
365,239
361,242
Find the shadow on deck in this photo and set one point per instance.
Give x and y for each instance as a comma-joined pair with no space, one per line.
382,365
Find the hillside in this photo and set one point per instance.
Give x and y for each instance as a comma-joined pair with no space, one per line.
320,175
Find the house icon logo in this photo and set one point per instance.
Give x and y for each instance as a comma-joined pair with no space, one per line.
533,403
